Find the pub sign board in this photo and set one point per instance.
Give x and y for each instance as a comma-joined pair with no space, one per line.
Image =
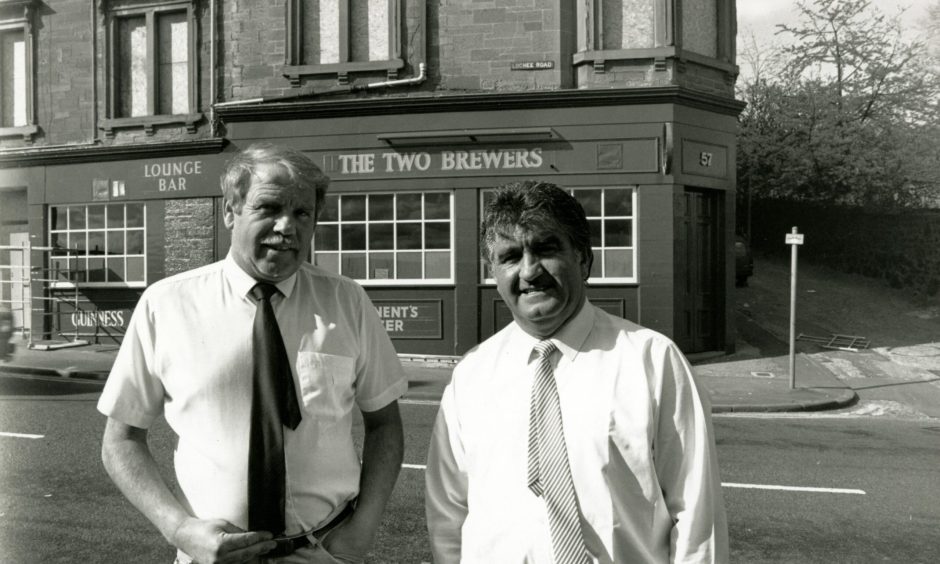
411,319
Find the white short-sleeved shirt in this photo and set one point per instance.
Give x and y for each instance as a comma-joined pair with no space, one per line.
639,441
187,355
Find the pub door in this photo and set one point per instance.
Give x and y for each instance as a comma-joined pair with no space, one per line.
698,268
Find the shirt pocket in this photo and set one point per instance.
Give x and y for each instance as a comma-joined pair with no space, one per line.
326,384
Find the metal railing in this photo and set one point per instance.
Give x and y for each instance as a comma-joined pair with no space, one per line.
23,269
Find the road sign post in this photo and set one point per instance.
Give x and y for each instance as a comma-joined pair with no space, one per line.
793,239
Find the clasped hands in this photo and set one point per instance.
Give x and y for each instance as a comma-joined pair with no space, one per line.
216,541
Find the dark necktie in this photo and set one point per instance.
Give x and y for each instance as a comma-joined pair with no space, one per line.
273,406
549,472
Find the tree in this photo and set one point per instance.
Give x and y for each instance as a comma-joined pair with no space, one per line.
847,114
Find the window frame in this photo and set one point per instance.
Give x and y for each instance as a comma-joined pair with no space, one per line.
18,15
295,69
72,256
598,251
150,11
451,221
667,39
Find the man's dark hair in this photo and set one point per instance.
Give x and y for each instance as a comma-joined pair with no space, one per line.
535,206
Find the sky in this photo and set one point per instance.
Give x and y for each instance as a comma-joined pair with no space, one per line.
762,15
758,18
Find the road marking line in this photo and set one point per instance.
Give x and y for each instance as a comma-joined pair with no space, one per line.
419,401
20,435
731,485
793,488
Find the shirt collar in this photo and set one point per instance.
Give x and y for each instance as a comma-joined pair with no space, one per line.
242,282
568,339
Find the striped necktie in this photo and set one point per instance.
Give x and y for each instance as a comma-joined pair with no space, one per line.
549,473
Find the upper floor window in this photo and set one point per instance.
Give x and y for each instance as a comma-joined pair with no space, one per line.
16,74
644,29
339,36
13,88
152,65
627,24
700,27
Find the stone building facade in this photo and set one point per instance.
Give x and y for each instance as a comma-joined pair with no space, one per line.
118,116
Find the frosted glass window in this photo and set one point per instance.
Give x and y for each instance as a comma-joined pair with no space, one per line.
321,26
132,62
14,76
173,52
369,30
628,24
152,66
700,26
340,31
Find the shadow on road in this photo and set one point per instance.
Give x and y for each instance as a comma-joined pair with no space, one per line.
31,385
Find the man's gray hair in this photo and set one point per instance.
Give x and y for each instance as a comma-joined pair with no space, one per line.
236,178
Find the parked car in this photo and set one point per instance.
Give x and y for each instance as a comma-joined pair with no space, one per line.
6,332
743,261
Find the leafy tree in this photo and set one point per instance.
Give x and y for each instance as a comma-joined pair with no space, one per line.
846,113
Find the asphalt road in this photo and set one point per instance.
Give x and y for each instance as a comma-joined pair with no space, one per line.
797,489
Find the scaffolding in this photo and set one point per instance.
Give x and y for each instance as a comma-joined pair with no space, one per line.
26,287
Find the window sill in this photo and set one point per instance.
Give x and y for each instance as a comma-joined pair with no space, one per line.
27,132
295,73
84,285
392,283
147,123
658,54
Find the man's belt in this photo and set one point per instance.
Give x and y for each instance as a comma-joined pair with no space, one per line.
293,543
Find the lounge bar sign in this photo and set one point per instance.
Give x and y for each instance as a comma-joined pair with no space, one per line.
172,176
410,319
456,161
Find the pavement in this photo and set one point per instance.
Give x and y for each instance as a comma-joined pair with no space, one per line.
745,381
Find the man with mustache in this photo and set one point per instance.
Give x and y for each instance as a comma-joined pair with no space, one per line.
571,436
257,362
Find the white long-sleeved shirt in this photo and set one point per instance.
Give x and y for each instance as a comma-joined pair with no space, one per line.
639,439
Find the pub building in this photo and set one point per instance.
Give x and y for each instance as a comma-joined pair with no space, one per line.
643,138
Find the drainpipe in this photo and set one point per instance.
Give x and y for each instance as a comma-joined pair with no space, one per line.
305,92
94,71
213,129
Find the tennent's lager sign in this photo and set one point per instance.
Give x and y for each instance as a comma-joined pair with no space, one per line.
410,319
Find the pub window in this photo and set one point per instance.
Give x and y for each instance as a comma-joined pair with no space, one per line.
98,244
378,238
340,36
16,73
610,215
152,66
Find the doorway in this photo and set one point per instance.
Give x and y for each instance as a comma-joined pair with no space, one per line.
14,262
698,267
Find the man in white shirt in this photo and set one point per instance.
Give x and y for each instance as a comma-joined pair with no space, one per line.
632,429
188,355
